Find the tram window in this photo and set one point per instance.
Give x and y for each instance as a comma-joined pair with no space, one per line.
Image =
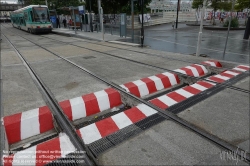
41,14
25,15
31,16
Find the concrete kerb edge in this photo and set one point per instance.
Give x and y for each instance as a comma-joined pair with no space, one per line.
222,28
85,37
75,35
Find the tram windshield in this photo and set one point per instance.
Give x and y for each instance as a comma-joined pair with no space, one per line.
41,14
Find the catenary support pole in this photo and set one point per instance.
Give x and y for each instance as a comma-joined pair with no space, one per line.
99,13
228,29
132,19
178,7
200,32
142,28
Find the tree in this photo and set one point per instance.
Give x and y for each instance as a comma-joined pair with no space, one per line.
56,3
227,6
196,4
242,4
215,5
114,6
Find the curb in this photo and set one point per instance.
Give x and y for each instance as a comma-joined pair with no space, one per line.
221,28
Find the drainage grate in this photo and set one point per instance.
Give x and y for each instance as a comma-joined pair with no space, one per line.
123,134
100,146
150,121
78,126
104,144
88,57
179,107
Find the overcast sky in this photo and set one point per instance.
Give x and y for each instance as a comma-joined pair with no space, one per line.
9,1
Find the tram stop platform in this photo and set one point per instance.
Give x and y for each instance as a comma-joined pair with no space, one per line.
88,35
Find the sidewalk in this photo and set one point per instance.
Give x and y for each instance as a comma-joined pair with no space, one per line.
87,35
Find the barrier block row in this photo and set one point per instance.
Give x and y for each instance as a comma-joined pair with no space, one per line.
224,76
212,63
107,126
242,68
194,70
33,122
91,104
42,153
26,124
179,95
149,85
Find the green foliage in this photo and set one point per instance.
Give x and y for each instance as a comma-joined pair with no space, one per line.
109,6
227,6
116,7
196,4
215,4
234,23
242,4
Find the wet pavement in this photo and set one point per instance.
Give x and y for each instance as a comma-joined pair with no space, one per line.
184,40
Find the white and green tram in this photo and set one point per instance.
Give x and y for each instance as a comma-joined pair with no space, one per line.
33,18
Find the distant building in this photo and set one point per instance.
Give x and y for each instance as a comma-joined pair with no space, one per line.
170,5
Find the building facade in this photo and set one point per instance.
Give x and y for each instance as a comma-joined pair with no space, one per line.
170,5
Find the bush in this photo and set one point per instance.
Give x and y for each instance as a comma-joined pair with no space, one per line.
234,23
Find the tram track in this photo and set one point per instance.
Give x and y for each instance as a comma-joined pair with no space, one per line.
141,63
231,87
52,103
163,113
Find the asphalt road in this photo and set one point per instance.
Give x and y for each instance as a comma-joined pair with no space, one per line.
184,40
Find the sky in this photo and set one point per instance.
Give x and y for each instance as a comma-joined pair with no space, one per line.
9,1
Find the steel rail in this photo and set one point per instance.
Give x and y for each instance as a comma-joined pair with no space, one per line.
183,75
126,50
61,119
164,113
218,141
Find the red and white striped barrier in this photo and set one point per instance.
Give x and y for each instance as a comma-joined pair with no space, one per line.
195,70
224,76
42,153
212,63
151,84
90,104
242,68
105,127
27,124
33,122
179,95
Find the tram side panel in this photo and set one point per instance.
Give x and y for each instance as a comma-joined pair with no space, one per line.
33,19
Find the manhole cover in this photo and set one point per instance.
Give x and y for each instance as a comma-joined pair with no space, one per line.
203,55
88,57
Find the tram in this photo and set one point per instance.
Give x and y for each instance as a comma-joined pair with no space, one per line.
32,18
